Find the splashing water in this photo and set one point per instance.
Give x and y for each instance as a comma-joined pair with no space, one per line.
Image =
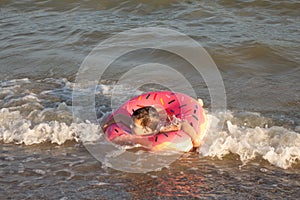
28,119
278,145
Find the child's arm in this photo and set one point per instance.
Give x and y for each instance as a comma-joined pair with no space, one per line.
131,140
116,119
170,128
186,127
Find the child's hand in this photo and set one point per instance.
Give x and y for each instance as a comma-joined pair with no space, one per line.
196,142
170,128
104,127
176,126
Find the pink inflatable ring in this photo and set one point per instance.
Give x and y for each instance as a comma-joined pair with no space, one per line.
176,104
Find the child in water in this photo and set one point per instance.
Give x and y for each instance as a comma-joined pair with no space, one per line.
147,121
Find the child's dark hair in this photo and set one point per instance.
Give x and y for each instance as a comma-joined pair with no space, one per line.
148,115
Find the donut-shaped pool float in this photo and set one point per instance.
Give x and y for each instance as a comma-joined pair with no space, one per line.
175,104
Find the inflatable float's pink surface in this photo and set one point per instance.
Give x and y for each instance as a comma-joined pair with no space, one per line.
175,104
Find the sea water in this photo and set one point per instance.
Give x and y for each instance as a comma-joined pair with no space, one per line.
252,149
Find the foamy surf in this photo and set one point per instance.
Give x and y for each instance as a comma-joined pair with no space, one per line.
36,112
277,145
16,129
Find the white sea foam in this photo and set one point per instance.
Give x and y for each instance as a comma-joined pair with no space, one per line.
30,117
278,145
15,129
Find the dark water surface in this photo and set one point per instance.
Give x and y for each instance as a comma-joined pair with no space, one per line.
255,45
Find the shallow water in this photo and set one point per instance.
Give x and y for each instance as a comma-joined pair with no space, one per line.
255,45
69,171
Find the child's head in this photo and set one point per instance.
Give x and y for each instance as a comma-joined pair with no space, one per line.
146,117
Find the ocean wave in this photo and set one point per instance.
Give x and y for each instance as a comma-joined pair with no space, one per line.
15,129
40,111
276,144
